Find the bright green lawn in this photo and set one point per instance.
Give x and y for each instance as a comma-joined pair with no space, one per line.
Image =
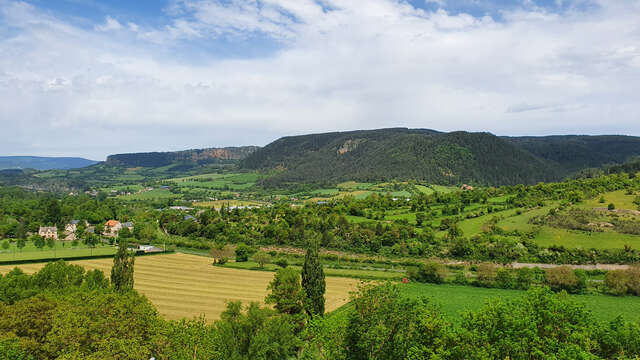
457,298
30,252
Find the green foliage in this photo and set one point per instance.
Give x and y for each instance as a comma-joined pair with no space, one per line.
617,281
313,283
243,252
261,258
565,278
378,328
431,272
286,293
537,326
122,270
282,262
611,206
5,245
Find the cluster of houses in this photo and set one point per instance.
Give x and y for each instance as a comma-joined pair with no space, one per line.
111,228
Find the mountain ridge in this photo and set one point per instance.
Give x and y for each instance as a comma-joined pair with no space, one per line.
44,162
436,157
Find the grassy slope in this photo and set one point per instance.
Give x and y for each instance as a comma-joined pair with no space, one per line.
455,299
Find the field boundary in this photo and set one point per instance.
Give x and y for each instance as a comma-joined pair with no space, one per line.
77,258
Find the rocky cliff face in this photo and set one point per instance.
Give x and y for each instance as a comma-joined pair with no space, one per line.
156,159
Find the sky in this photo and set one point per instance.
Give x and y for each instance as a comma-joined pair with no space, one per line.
91,78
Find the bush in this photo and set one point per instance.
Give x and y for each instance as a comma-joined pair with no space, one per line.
617,282
486,274
633,274
461,278
261,258
242,252
565,278
524,278
611,206
282,262
430,272
223,260
505,279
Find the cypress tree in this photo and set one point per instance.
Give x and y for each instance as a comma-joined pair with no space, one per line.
122,270
313,282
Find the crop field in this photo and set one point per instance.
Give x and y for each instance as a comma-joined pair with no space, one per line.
454,299
182,285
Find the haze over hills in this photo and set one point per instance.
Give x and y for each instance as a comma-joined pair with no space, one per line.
43,163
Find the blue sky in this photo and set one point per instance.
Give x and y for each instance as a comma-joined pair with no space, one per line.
90,78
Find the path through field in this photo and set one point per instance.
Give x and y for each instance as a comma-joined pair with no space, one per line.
182,285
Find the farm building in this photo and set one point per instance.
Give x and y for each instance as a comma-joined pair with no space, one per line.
48,232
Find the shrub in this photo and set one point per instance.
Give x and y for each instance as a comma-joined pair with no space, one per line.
487,274
261,258
505,279
461,278
524,278
223,260
282,262
430,272
633,274
611,206
242,252
563,278
617,282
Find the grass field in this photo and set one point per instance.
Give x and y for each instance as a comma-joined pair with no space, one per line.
30,252
182,285
219,203
151,195
619,198
455,299
587,240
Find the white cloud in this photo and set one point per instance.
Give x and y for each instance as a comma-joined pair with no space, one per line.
342,65
110,24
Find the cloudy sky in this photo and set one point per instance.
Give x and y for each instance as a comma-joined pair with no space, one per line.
90,78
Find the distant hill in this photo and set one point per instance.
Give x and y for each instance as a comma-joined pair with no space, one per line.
577,152
193,157
43,163
435,157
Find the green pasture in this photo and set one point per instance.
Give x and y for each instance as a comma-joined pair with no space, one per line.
61,250
548,236
455,299
521,222
619,198
155,194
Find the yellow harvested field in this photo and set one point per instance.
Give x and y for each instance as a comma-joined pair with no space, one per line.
182,285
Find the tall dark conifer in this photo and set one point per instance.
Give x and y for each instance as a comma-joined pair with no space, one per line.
122,270
313,282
